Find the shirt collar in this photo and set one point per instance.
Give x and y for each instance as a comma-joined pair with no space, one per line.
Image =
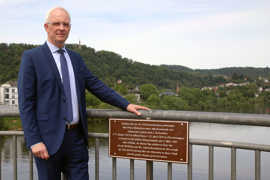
54,48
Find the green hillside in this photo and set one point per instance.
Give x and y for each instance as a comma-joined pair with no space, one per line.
110,67
249,72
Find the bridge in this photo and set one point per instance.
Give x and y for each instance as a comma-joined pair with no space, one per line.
191,117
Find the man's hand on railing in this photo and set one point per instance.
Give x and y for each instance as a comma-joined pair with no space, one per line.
134,109
39,150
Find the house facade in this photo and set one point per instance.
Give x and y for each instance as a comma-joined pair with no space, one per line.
9,94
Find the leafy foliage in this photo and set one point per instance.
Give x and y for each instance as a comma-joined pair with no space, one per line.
238,72
110,67
124,75
147,90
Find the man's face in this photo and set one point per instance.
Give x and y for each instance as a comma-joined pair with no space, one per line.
58,27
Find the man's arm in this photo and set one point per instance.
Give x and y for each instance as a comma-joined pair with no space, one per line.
27,105
100,90
106,94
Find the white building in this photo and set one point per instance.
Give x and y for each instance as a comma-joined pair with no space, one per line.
9,93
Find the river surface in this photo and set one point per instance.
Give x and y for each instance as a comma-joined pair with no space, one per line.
222,157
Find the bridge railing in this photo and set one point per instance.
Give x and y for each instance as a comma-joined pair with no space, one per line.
190,116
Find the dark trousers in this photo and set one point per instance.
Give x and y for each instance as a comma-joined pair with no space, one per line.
71,159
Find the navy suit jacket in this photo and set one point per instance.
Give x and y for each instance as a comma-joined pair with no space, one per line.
42,97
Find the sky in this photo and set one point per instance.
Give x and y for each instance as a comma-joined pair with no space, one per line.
199,34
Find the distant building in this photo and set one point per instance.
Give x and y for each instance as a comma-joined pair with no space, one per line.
9,93
168,93
231,84
207,88
136,92
119,81
244,84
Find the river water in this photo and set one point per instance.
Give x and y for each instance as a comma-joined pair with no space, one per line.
245,158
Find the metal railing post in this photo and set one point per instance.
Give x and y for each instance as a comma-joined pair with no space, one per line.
233,163
97,159
0,164
189,166
257,165
131,162
30,155
14,140
211,163
63,177
149,170
114,169
169,171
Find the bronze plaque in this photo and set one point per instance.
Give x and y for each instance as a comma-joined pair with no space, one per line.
154,140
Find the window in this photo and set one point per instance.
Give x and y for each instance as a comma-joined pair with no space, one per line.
13,102
13,90
6,90
6,96
6,102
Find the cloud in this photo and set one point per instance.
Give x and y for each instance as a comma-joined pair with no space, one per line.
195,33
213,39
14,2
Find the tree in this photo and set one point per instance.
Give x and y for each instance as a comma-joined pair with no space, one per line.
121,89
147,90
153,101
174,103
91,100
131,98
190,95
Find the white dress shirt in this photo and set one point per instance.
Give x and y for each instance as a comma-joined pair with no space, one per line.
74,99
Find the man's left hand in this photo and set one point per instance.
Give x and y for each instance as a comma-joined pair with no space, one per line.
134,109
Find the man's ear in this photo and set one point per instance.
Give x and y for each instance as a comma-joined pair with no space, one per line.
46,27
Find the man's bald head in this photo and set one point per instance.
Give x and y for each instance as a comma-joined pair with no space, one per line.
50,12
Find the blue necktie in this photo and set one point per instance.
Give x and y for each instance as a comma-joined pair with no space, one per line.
66,84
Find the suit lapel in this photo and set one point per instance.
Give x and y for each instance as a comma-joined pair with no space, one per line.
52,64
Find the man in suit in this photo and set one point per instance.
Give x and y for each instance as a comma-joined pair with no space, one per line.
52,82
